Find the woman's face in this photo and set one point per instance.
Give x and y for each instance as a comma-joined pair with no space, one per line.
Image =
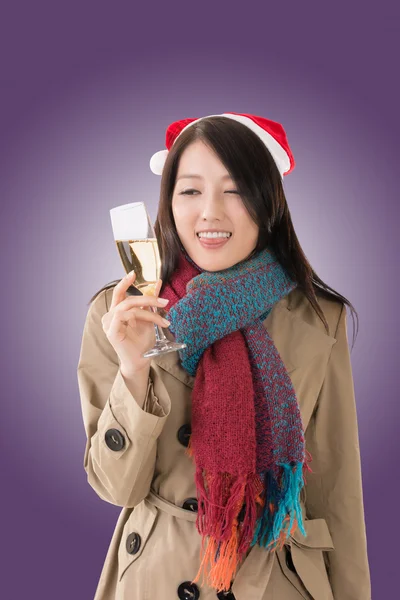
210,201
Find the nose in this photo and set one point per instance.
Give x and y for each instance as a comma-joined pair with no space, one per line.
213,207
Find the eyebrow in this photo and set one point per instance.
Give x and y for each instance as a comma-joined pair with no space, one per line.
188,176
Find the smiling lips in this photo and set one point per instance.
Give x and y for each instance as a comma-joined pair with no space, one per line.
213,243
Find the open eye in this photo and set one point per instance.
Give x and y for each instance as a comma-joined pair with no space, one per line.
187,192
192,190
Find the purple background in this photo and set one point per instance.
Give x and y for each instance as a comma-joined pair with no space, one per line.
87,94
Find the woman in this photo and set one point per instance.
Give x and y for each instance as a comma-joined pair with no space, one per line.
236,460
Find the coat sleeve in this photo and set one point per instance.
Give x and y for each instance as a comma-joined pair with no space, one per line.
334,489
120,473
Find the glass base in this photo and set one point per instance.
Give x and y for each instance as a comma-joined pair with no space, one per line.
162,347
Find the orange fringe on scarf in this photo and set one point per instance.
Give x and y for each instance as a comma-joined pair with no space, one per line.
221,574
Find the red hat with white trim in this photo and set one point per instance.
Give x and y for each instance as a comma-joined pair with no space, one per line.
270,133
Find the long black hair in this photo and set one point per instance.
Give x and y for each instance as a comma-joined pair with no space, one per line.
258,181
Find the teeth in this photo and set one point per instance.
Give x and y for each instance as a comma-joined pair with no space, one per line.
214,234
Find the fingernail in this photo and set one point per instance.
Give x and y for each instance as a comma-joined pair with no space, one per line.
129,274
163,301
166,322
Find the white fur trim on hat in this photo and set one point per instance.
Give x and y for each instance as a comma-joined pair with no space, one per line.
279,154
157,161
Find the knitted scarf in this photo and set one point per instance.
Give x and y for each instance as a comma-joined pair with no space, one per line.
247,438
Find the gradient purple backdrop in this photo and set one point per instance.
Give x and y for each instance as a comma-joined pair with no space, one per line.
87,94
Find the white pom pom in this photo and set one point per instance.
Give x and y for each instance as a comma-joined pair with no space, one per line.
157,161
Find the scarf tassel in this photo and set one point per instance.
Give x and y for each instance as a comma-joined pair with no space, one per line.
228,540
282,514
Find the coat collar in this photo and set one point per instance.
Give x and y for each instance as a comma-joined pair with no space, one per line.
296,340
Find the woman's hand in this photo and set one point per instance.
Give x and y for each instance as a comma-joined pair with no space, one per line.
129,325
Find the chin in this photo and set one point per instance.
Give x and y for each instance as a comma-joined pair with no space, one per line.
214,264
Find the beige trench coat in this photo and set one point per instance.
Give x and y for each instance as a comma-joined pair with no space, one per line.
135,458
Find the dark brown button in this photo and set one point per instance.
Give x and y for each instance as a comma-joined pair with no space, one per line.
184,434
289,560
188,591
228,595
133,542
190,504
114,439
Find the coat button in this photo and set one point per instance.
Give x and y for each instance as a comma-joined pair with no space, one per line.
190,504
289,560
133,542
188,591
114,439
228,595
184,433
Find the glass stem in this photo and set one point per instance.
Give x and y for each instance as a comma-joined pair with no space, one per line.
160,337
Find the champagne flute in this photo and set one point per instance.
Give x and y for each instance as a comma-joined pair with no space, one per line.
138,250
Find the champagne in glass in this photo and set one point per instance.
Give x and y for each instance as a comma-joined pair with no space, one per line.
138,250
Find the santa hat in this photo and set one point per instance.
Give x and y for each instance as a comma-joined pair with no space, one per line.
270,133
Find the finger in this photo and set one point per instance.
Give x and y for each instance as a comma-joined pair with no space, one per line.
130,316
117,329
119,292
138,301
